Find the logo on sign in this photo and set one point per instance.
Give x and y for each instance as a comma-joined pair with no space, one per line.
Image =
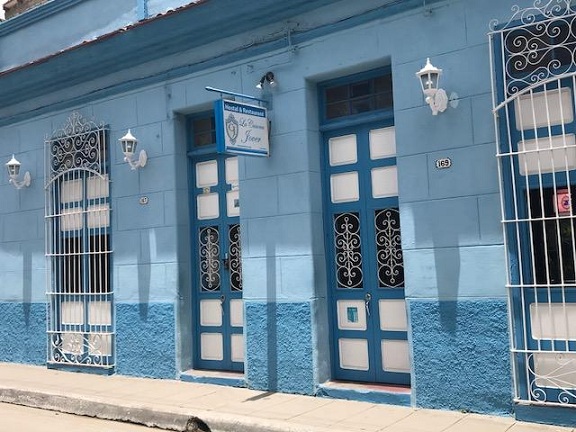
232,128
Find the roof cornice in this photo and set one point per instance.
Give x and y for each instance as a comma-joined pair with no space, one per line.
34,15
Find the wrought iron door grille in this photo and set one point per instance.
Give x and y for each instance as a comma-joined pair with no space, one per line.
235,257
348,254
534,79
389,248
80,324
209,248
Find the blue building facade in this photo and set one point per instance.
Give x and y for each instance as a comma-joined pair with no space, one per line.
367,248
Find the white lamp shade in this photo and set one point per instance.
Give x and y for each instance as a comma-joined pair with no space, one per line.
429,78
128,143
13,167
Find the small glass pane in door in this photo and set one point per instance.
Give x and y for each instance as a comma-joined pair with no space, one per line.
342,150
382,143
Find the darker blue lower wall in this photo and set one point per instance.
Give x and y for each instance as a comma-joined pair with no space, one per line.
461,358
279,347
145,340
23,335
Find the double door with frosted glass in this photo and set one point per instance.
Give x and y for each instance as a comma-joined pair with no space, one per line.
217,269
365,265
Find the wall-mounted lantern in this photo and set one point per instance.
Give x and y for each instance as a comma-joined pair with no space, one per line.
269,78
129,143
436,97
13,167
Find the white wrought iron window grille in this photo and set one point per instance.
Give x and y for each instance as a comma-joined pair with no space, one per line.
534,79
79,292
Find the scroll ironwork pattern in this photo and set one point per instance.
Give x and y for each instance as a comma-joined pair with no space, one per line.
557,384
540,9
80,329
389,248
538,43
78,144
79,348
348,254
209,239
235,257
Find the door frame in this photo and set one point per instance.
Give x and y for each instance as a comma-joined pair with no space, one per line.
194,156
341,126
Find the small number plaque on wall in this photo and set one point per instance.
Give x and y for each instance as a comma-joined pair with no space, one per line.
443,163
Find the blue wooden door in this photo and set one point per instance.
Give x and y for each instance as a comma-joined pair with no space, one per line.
365,265
217,263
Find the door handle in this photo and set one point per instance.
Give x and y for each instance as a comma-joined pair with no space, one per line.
222,300
367,299
226,262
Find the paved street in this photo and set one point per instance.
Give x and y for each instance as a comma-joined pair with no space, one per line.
16,418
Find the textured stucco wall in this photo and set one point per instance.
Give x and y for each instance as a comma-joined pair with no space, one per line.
145,342
279,347
461,358
23,333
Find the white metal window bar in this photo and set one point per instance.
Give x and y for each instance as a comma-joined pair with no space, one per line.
80,321
534,79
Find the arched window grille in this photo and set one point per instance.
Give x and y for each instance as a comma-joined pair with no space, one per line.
78,246
534,80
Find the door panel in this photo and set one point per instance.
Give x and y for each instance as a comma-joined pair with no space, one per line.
369,336
218,274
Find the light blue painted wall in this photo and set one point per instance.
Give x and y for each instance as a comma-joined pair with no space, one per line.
82,21
146,265
22,262
450,218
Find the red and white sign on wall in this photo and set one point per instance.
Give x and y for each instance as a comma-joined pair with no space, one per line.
563,202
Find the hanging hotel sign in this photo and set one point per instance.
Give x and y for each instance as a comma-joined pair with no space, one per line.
241,128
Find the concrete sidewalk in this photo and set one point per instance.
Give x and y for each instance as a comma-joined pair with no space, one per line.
169,404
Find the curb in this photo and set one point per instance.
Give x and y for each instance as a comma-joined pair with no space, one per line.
175,420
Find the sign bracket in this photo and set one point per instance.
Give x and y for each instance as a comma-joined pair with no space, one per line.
240,95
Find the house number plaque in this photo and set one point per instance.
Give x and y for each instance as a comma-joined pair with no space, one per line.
443,163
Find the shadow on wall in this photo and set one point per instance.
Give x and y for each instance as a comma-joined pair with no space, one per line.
439,276
447,264
27,284
144,270
272,309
